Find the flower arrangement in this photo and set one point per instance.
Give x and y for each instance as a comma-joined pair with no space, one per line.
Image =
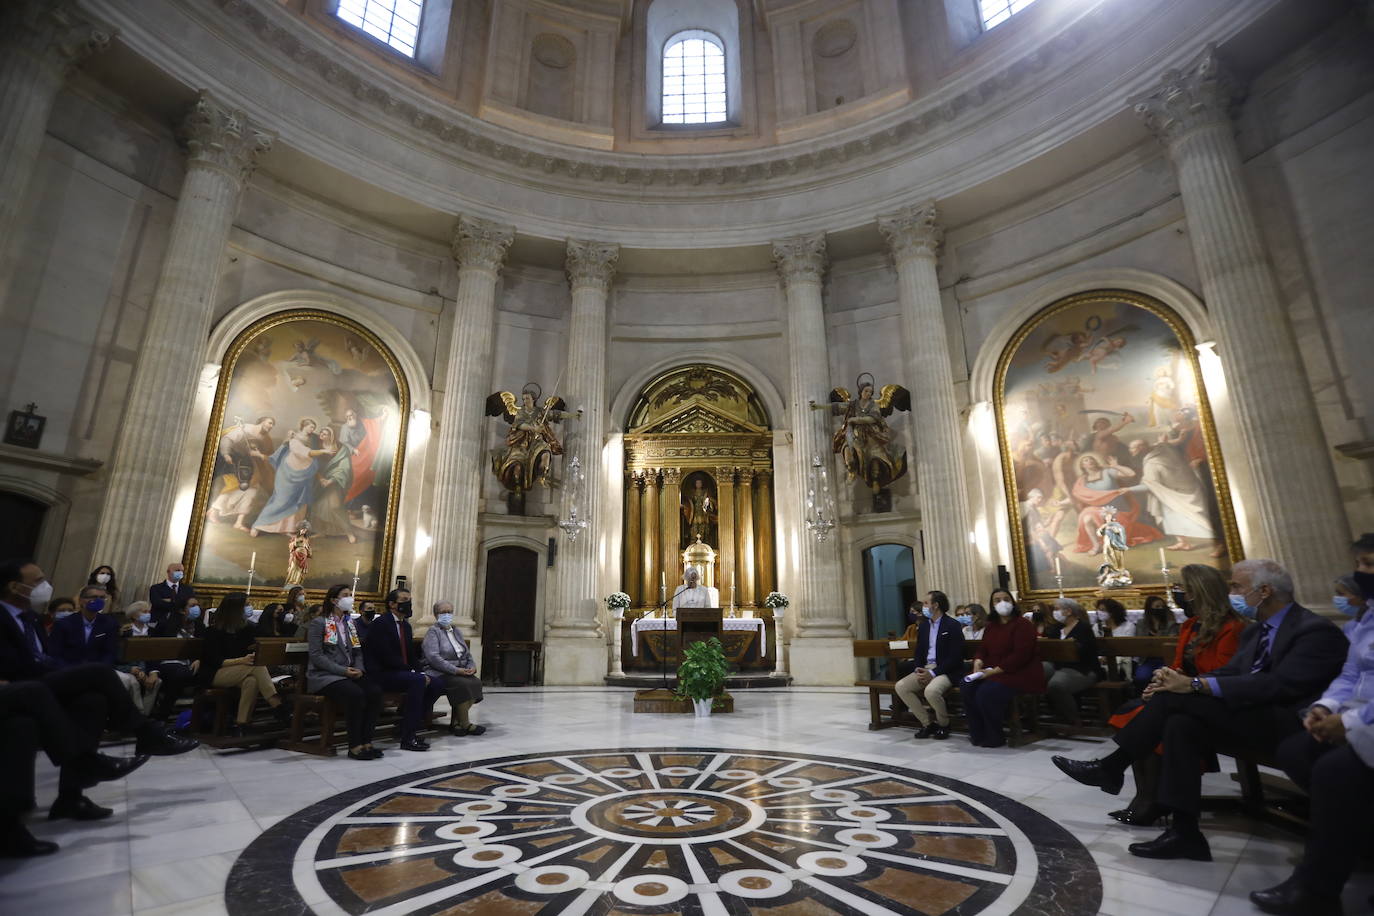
617,601
776,600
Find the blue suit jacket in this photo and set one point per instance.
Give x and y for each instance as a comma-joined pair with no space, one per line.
17,661
382,649
69,641
949,647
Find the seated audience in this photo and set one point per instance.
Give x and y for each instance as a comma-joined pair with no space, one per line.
58,609
1348,598
1072,678
89,636
367,612
228,658
337,671
1116,623
140,678
1042,619
1005,666
448,660
1157,621
296,601
1253,702
171,593
178,674
1208,640
977,621
939,645
392,660
103,577
277,620
186,622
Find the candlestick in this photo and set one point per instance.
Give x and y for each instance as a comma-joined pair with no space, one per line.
1059,573
1059,581
253,563
1163,560
662,580
357,565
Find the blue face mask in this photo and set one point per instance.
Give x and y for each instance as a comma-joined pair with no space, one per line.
193,612
1245,610
445,620
176,576
1345,605
925,612
144,618
95,604
964,620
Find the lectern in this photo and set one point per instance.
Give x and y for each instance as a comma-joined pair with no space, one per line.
697,623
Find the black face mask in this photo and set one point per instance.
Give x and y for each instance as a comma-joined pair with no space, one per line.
403,609
1183,603
1366,582
369,614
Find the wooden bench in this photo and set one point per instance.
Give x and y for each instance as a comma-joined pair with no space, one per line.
880,687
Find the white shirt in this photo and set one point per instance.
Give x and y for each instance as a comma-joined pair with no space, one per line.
1126,629
700,596
971,633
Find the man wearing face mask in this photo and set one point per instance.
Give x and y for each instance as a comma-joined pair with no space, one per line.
91,635
178,674
940,662
172,593
393,662
1253,702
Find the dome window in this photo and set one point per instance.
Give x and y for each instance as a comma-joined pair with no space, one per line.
694,79
996,12
393,22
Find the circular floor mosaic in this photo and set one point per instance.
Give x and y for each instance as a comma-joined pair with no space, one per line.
666,830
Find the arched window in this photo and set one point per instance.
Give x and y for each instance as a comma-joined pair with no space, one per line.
392,22
996,12
694,79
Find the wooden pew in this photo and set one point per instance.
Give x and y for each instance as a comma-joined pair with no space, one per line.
880,687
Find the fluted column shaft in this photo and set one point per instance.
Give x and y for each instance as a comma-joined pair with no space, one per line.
650,567
913,234
1297,501
728,570
222,149
764,569
479,247
634,536
801,265
41,41
747,558
670,534
590,267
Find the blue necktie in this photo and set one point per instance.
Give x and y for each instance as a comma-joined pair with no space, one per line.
1262,656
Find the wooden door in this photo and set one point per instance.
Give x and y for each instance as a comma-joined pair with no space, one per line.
23,525
508,609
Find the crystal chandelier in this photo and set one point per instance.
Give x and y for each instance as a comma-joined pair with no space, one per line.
820,507
572,492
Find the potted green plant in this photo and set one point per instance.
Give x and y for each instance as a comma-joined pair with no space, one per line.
701,676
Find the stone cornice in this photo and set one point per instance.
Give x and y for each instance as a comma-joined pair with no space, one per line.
55,34
800,258
591,263
218,137
912,232
480,244
505,150
1203,94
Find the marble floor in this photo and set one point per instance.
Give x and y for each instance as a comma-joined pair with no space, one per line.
180,825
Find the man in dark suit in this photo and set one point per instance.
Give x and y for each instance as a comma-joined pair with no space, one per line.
90,635
172,593
1281,666
939,663
91,694
392,661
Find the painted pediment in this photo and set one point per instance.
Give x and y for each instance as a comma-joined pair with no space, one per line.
698,418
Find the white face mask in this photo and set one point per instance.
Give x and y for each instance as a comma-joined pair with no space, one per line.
1058,616
345,604
40,595
1002,607
103,578
289,618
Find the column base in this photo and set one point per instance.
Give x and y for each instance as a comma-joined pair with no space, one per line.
822,661
574,661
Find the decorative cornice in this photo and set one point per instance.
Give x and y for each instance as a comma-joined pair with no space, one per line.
912,232
800,258
282,30
52,32
480,244
591,263
221,138
1203,94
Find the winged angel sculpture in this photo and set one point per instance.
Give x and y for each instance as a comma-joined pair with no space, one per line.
531,442
864,440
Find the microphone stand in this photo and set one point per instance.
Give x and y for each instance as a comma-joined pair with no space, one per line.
663,656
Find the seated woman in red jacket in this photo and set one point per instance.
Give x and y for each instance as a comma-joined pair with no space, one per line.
1006,664
1206,642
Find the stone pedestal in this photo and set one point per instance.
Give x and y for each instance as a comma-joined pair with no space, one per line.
222,149
822,661
913,235
1297,505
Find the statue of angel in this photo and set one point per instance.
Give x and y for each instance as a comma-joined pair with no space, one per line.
531,442
864,440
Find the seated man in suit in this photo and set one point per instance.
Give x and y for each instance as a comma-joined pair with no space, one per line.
1253,702
170,594
939,663
391,660
178,674
90,635
91,694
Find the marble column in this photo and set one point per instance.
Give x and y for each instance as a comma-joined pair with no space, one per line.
650,567
670,533
764,569
746,557
41,42
222,149
1296,504
821,651
575,644
634,536
479,248
728,569
913,235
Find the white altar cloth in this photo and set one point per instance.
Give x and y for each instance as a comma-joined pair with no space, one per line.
670,623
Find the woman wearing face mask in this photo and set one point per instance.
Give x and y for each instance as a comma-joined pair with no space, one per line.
1350,600
58,609
229,659
1072,678
976,623
336,671
1005,666
142,682
104,577
276,620
447,658
1157,621
1206,642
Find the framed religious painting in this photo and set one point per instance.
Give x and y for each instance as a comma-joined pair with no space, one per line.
301,472
1109,454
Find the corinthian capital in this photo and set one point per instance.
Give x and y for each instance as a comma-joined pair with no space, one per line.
591,263
912,232
801,257
481,244
1199,95
221,138
55,35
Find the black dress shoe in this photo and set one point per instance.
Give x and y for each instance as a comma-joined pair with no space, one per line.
17,843
414,745
925,731
941,733
79,808
165,744
374,753
1291,897
97,768
1091,773
1144,817
1174,844
360,755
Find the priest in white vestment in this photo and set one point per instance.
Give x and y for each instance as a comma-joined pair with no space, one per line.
693,594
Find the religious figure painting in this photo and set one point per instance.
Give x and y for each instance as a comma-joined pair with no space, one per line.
1108,448
302,461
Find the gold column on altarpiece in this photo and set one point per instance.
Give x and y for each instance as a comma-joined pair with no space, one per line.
725,528
648,545
669,517
634,556
745,537
763,536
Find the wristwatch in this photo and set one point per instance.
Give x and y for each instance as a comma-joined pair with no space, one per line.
1196,684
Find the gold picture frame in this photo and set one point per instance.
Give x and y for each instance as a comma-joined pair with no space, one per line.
1057,350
